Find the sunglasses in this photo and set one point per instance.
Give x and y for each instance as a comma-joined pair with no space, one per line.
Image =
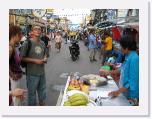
37,28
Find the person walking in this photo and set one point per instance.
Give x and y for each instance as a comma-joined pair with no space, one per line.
58,41
92,46
35,69
107,46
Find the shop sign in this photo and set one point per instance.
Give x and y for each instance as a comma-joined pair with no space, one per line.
39,12
21,11
21,19
50,10
55,16
49,15
39,20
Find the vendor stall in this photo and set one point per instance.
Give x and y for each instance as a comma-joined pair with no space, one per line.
93,94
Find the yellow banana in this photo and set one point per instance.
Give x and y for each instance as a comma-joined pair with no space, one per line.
77,98
73,88
76,95
79,102
67,103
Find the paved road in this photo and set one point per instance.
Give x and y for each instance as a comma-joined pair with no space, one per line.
59,63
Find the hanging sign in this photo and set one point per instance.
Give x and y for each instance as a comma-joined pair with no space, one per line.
39,12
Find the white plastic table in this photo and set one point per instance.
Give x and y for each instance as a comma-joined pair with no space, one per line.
101,91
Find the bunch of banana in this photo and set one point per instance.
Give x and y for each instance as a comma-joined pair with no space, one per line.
73,88
67,103
78,100
85,89
74,85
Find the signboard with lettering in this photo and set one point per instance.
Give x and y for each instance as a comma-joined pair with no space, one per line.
20,11
39,12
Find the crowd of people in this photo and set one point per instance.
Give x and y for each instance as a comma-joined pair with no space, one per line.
33,53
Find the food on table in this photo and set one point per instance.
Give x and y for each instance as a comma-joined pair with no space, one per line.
77,85
77,100
67,103
73,88
85,89
95,80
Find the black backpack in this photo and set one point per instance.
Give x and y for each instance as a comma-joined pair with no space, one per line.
24,64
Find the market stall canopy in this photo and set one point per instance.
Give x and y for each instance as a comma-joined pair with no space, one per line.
134,25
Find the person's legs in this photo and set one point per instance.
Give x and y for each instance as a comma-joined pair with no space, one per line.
59,46
32,83
94,54
65,40
41,89
104,57
91,55
101,52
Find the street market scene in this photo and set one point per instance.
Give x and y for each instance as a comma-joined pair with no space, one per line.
74,57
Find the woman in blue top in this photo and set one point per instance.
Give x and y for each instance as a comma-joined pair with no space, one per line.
129,72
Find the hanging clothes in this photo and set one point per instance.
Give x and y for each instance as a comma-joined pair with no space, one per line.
116,33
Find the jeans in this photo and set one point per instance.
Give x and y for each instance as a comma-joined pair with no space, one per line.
36,84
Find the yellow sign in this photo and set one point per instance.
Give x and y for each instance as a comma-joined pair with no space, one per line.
39,12
88,18
72,33
50,10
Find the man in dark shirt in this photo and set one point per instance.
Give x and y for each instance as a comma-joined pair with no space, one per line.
35,74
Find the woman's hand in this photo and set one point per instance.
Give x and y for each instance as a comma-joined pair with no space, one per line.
105,72
18,92
114,93
48,46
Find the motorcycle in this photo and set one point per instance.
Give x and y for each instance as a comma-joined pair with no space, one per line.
74,50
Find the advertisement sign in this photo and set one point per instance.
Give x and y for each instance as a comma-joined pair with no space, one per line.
39,12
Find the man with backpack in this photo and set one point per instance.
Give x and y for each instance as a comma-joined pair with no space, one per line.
35,71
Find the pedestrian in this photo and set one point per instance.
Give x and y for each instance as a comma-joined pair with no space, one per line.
107,46
99,45
66,37
58,41
116,33
129,72
35,70
47,42
92,46
15,71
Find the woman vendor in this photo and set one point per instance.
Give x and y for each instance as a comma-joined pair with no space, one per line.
129,72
